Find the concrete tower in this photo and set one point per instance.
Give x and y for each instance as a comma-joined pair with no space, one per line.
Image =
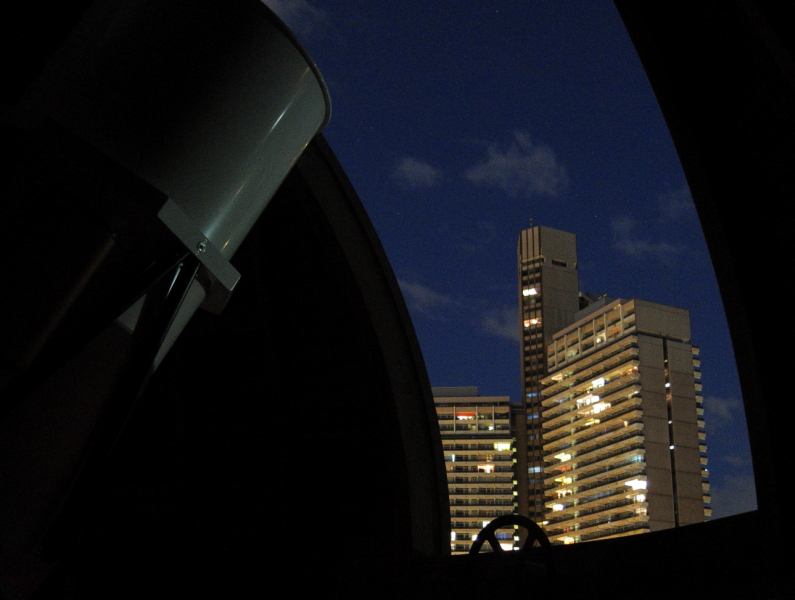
548,301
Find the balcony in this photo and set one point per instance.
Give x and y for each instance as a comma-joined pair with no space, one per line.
601,445
587,436
581,384
616,401
601,464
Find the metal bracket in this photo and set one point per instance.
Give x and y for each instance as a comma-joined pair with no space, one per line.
222,276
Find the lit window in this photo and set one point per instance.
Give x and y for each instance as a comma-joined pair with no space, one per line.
597,383
499,446
529,292
637,484
563,456
486,468
588,400
568,540
557,507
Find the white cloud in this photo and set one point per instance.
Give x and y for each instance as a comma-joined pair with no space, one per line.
503,323
416,174
627,241
300,15
521,169
423,299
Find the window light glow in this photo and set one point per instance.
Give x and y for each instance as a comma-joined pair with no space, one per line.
529,292
637,484
597,383
500,446
563,456
568,540
486,468
557,507
588,400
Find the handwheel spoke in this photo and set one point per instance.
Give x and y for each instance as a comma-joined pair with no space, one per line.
534,533
491,538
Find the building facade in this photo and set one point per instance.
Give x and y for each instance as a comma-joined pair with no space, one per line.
548,302
479,459
623,429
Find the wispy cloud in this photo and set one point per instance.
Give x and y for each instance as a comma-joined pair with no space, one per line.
521,169
628,240
502,322
303,18
675,205
424,300
640,240
413,173
733,495
721,412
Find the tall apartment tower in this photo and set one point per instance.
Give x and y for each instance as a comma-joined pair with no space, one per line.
548,301
478,454
622,415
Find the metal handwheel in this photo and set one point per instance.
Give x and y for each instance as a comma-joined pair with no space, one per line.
535,533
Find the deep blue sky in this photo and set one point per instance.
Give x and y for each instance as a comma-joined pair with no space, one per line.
460,121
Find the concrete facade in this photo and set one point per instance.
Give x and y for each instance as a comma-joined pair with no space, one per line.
478,454
624,438
548,300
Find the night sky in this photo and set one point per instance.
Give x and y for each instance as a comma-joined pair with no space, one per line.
460,123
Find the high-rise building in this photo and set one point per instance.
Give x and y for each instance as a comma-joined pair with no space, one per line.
548,301
622,417
478,454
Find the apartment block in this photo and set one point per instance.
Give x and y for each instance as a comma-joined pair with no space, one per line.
623,424
479,459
